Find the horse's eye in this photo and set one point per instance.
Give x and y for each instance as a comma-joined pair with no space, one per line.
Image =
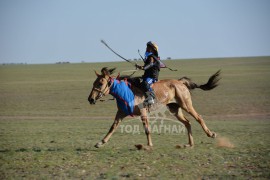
100,84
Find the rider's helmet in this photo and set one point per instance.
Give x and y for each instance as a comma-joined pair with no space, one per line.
153,45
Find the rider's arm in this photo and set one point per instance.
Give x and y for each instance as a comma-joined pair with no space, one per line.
151,64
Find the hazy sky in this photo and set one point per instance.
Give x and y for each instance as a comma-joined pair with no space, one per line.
47,31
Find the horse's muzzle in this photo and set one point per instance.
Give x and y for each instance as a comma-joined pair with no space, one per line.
91,100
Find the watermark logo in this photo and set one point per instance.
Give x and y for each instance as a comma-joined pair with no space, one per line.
159,123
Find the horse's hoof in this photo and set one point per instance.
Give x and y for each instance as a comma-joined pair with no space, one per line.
188,146
179,146
214,135
142,147
98,145
148,148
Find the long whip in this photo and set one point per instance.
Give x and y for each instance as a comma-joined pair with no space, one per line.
134,64
103,42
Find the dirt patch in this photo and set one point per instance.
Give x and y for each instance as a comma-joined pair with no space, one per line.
224,142
142,147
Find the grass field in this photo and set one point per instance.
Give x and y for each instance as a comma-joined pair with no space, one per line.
48,129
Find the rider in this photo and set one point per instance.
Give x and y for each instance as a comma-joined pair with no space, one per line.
151,71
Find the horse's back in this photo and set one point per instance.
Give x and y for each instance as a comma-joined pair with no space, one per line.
167,83
166,90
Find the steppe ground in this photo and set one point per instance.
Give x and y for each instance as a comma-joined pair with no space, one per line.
48,129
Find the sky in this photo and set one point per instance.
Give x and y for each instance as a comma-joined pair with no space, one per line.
49,31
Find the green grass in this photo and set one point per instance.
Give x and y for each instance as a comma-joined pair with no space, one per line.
48,129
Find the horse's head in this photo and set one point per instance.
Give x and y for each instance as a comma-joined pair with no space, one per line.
101,86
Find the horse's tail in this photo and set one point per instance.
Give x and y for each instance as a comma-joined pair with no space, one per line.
211,84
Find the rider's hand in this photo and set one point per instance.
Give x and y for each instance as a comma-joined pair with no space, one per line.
138,66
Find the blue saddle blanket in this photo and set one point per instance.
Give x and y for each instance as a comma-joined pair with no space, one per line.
124,96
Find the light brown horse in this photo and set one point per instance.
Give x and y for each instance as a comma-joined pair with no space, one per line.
175,94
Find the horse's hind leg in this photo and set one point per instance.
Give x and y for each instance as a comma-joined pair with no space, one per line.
184,100
118,118
180,116
177,111
199,119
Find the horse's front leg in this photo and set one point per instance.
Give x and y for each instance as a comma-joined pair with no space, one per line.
146,126
118,118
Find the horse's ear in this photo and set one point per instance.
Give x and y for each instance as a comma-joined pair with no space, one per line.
104,71
111,71
97,73
107,72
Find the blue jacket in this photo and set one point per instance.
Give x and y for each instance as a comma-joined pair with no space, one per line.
124,96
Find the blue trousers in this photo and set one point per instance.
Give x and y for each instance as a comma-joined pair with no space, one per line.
148,82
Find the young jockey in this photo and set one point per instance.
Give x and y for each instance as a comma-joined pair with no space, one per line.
151,71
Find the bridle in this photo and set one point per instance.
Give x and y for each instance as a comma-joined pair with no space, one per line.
105,90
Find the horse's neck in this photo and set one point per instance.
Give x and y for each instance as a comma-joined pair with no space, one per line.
137,92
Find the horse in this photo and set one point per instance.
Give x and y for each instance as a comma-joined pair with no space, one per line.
173,93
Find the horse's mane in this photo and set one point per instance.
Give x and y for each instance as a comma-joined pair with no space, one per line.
134,81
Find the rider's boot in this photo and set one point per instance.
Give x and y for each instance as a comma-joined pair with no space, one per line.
150,98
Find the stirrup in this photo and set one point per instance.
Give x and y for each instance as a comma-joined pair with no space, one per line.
145,104
150,98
